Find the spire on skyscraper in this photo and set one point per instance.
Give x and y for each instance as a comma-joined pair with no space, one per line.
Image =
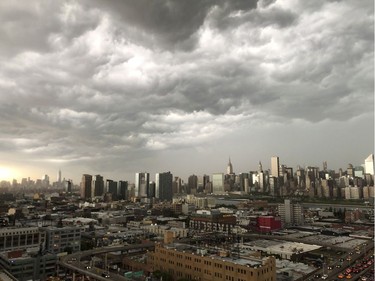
260,168
229,168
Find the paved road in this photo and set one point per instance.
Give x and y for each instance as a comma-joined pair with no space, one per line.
73,263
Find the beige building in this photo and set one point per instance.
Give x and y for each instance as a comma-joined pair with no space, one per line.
184,261
21,238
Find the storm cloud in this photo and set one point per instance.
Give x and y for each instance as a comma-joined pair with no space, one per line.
115,87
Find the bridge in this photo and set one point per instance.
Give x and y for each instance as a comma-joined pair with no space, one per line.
74,264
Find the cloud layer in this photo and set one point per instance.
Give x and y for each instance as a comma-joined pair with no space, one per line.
115,87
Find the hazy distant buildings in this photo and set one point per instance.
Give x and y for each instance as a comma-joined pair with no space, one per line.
59,179
142,181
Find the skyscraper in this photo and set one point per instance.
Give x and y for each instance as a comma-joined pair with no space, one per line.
112,188
59,177
275,166
123,190
229,168
142,181
290,213
218,183
163,186
86,186
369,164
98,186
192,184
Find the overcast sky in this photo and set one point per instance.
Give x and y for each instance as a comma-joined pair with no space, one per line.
122,86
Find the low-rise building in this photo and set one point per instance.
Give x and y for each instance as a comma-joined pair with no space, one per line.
212,221
63,239
20,238
25,267
184,261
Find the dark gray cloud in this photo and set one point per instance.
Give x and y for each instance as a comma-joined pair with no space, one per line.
167,24
121,86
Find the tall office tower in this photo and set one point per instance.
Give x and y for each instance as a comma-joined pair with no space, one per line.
163,186
275,166
274,191
123,190
260,167
325,167
369,165
111,187
45,181
289,172
59,177
350,170
200,184
244,181
86,186
261,182
177,185
206,182
151,190
290,213
142,184
69,186
97,186
282,170
229,168
192,184
218,183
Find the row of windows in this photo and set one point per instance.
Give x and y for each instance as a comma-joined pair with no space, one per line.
230,278
218,274
67,236
19,232
218,265
180,264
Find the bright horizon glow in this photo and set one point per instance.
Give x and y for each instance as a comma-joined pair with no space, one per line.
6,174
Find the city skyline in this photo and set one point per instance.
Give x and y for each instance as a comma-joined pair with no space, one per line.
266,166
120,87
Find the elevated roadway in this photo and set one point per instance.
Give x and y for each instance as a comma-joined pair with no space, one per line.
73,261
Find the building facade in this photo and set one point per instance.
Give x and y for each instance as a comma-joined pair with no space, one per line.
63,239
291,213
142,181
24,267
275,165
212,221
163,186
97,186
218,183
86,186
20,238
195,264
